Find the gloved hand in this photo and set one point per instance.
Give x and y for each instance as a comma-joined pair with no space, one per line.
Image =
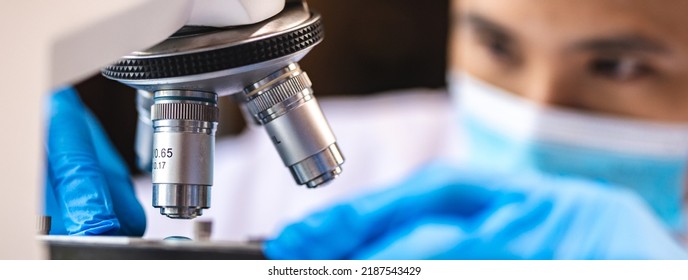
88,187
447,213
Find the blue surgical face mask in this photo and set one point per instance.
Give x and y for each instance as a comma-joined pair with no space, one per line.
511,133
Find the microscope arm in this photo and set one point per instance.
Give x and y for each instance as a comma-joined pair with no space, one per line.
47,44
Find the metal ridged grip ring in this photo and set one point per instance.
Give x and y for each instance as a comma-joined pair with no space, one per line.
184,125
284,104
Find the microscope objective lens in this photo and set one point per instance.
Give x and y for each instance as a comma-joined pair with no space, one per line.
283,102
184,124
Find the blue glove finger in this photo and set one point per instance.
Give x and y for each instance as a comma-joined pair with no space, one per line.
444,214
551,223
338,232
433,238
127,208
587,221
52,206
76,180
573,220
634,232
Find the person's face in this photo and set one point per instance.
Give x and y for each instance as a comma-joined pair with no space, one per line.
621,57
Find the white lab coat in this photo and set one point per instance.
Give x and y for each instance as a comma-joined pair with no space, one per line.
384,138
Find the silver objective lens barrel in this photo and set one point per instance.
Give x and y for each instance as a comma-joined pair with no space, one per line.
144,131
284,103
184,124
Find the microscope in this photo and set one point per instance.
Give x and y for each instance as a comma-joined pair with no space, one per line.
196,56
180,79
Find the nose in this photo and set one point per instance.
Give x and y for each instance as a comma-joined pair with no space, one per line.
549,84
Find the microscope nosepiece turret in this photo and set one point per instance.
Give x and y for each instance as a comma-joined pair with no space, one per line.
258,64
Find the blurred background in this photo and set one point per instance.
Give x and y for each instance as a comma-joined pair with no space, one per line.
369,47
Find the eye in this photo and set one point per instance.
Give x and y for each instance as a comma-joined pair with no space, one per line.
619,68
497,45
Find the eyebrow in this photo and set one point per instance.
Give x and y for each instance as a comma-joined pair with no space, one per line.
622,43
614,43
485,25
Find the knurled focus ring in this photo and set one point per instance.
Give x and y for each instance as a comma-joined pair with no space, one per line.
282,45
278,93
185,111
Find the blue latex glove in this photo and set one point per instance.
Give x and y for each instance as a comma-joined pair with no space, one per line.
447,213
88,187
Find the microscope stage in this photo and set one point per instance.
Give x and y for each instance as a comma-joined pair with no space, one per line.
133,248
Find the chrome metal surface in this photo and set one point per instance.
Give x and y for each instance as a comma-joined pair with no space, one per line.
184,125
181,201
284,103
319,168
232,80
203,230
225,82
43,224
257,65
144,131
